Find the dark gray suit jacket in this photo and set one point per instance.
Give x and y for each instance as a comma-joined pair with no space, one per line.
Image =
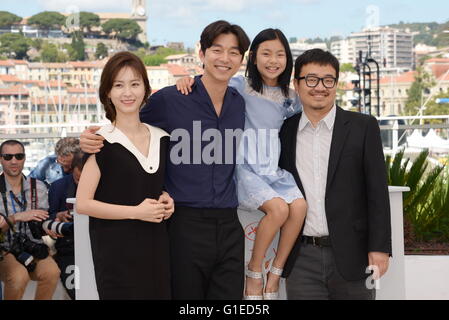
357,201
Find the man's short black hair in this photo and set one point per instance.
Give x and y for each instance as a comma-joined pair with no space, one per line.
213,30
11,143
319,57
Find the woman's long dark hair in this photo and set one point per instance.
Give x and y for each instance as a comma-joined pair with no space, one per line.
253,75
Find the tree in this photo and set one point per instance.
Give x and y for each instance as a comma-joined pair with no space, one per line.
423,82
37,43
47,20
154,60
347,67
50,53
78,47
433,108
89,20
165,52
123,29
442,39
14,45
141,53
101,51
7,19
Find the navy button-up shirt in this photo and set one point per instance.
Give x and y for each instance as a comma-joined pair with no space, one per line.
191,178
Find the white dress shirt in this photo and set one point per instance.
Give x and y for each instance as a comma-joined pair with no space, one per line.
312,158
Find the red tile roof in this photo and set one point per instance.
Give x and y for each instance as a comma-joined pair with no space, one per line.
23,62
64,100
9,78
51,84
176,70
438,60
81,90
6,63
86,64
405,77
439,69
15,90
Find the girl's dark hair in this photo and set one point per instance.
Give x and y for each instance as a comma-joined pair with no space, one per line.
115,64
253,75
319,57
219,27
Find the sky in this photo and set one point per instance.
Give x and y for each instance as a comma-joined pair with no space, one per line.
183,20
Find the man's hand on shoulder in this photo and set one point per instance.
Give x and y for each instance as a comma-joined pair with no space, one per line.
91,142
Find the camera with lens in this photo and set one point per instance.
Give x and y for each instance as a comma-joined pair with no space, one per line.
26,251
39,228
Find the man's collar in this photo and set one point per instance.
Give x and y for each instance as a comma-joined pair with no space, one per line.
25,185
329,119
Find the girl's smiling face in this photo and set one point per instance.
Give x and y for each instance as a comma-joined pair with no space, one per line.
271,61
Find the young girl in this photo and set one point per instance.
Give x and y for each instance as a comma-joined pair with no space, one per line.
261,184
121,190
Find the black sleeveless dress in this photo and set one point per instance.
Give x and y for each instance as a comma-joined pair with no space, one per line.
131,257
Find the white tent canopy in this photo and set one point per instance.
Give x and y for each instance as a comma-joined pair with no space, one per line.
431,141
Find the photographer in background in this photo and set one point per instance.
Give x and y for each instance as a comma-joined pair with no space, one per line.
58,165
59,191
23,200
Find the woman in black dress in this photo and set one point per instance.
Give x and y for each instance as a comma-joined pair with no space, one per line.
121,189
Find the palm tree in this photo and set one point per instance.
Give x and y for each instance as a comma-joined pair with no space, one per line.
419,209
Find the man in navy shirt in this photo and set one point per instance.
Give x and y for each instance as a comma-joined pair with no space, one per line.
206,237
58,210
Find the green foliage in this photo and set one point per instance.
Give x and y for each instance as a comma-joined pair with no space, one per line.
37,43
347,67
123,29
159,56
89,20
50,53
47,20
14,45
154,60
141,53
426,205
7,19
101,51
429,33
433,108
78,47
423,81
165,52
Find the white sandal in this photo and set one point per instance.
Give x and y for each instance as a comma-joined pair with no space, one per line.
273,295
253,275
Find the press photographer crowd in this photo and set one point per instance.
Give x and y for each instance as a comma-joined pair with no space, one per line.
36,238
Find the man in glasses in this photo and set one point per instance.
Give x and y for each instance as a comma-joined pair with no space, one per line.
337,160
20,207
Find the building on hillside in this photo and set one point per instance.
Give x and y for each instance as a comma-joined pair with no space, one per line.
185,59
301,46
344,51
391,48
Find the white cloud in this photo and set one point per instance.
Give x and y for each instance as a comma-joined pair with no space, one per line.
234,6
86,5
166,8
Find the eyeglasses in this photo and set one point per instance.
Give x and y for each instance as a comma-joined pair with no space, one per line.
313,81
8,156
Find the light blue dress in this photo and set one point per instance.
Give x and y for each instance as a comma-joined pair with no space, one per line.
258,176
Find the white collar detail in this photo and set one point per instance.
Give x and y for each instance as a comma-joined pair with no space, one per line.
150,163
